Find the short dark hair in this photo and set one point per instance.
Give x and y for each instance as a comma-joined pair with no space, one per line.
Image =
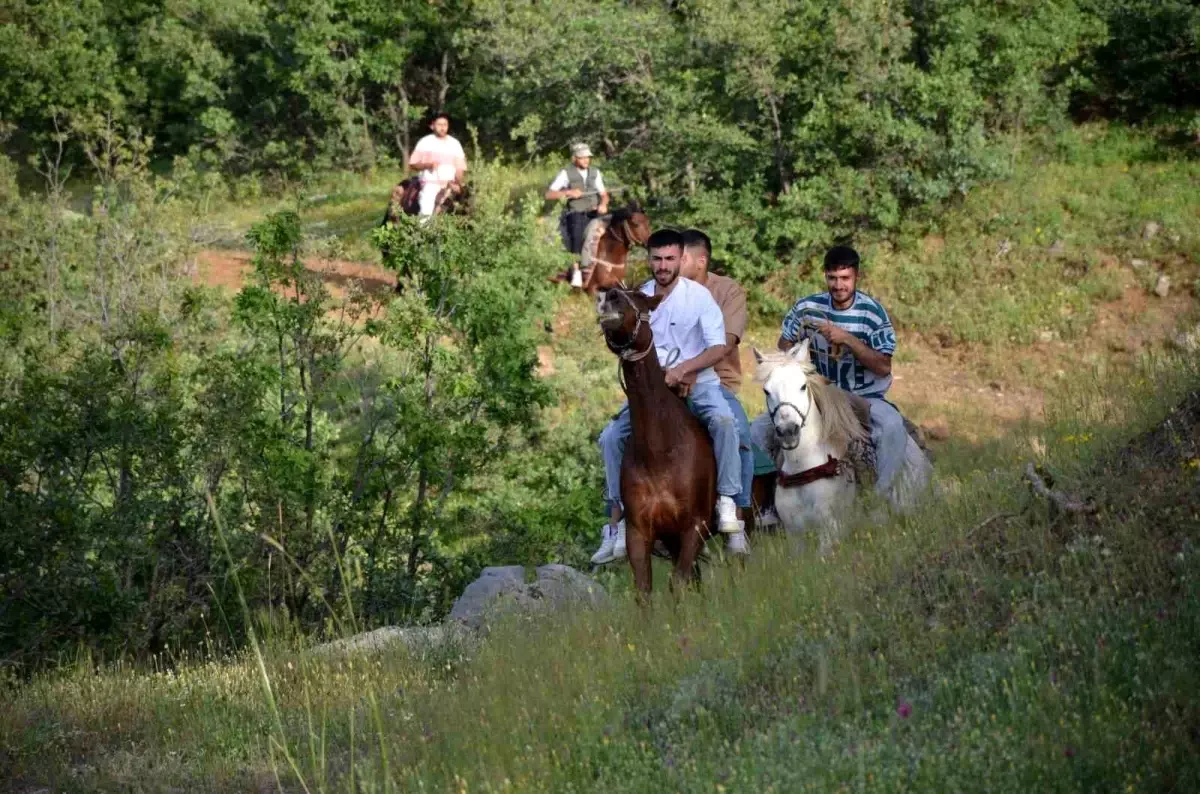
663,238
841,256
694,238
441,114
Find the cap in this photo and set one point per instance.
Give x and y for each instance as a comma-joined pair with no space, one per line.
580,150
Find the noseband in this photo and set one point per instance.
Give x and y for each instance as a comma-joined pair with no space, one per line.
803,418
624,351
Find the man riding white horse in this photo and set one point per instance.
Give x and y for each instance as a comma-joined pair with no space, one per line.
852,347
689,339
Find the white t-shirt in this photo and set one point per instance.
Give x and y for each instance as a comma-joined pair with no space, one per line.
561,181
688,320
447,157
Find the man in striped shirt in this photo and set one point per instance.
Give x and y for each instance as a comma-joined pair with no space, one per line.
861,331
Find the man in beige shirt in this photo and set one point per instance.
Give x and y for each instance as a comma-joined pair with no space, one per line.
729,295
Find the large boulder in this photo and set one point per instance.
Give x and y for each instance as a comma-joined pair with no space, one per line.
503,589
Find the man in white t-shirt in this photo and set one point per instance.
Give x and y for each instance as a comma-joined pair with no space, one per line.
687,325
440,159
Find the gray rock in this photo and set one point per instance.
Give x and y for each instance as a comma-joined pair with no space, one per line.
560,584
1162,287
496,587
1150,230
1047,336
421,639
1058,248
503,589
1137,264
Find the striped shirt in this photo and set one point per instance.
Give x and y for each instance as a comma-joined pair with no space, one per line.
865,319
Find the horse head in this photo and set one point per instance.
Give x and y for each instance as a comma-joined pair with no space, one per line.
638,224
797,395
789,400
624,316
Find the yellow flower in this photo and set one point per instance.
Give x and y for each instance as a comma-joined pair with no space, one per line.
1194,463
631,647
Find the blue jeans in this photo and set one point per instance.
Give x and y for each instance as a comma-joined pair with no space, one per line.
745,451
708,405
890,438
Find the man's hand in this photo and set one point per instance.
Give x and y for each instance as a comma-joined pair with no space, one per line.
835,334
676,375
573,193
679,382
602,209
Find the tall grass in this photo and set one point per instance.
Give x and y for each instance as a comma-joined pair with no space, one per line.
980,644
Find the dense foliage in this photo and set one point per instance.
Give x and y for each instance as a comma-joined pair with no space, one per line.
780,123
156,437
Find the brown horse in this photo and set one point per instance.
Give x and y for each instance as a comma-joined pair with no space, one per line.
668,474
627,227
451,199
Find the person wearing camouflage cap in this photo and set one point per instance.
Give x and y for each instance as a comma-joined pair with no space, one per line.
583,188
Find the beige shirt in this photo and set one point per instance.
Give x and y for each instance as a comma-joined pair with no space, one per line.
732,299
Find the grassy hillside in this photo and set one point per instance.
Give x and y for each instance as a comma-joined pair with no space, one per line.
982,644
985,643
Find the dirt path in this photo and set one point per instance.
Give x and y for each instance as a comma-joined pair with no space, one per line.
230,269
965,390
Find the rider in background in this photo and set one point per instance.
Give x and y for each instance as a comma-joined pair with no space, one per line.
440,159
687,326
583,188
731,298
860,326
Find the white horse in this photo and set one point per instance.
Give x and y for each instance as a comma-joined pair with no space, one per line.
812,425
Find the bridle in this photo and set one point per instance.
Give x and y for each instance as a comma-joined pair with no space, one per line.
624,351
803,418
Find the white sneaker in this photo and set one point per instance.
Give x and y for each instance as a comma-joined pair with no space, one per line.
768,519
613,547
727,520
604,553
619,543
736,544
576,278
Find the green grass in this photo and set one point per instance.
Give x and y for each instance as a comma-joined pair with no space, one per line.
937,652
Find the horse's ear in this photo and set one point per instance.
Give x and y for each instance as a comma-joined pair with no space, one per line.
800,352
758,356
653,301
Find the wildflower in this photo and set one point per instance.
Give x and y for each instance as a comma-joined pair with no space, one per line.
904,709
1194,463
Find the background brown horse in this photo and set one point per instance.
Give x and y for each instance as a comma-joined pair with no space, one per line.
405,195
627,227
668,474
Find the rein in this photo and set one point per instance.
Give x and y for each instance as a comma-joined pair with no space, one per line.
624,350
624,236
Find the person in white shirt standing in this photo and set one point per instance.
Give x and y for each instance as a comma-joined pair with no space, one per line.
440,159
689,339
583,188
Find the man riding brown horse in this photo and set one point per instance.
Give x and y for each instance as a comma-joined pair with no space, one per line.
583,188
687,333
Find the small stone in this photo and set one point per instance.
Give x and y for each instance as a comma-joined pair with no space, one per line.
1163,286
1138,264
1058,248
1188,342
1150,230
1046,336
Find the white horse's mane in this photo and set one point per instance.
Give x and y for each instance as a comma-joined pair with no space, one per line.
839,424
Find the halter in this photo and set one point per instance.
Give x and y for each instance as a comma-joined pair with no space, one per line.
624,350
803,417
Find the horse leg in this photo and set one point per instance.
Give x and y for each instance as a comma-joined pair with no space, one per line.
639,545
685,565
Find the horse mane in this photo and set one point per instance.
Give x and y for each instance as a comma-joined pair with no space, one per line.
839,423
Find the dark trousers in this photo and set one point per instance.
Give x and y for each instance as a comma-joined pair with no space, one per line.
573,225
